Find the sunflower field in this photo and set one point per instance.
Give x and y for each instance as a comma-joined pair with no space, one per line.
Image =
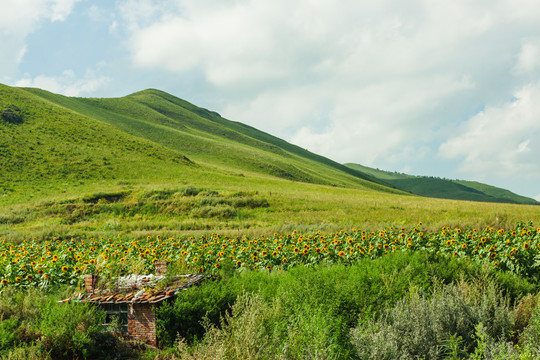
37,263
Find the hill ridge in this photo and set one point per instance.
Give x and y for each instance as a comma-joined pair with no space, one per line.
436,187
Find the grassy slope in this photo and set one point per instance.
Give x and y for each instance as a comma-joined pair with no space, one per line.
66,151
446,189
55,148
206,137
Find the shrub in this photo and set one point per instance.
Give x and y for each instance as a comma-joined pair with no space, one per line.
35,325
426,327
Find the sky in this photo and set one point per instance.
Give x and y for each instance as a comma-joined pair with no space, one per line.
436,88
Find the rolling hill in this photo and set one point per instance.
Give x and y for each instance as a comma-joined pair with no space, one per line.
207,138
150,162
444,188
51,147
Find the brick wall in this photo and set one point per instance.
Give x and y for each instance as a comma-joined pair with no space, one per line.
142,323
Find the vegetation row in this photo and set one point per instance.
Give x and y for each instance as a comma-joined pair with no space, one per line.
61,261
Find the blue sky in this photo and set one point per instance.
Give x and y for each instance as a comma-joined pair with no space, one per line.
449,89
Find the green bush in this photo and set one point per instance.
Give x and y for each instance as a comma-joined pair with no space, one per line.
430,327
257,328
35,325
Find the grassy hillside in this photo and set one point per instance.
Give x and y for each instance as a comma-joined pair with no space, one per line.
51,147
206,137
152,163
444,188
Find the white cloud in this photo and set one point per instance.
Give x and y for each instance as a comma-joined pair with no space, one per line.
529,57
376,82
67,83
387,69
501,140
19,18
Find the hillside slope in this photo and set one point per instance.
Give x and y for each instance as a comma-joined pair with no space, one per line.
51,146
444,188
207,138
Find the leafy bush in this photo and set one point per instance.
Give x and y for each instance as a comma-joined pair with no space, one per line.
190,191
257,328
35,325
427,327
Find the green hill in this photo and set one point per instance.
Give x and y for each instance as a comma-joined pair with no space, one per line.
444,188
51,147
207,138
150,162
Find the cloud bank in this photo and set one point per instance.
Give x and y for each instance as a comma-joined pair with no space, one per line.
371,82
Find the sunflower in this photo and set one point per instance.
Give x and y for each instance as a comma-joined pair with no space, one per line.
463,246
238,263
493,255
341,253
4,281
526,245
284,260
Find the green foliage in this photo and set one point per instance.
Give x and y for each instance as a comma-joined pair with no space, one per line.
35,325
12,115
419,326
308,321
